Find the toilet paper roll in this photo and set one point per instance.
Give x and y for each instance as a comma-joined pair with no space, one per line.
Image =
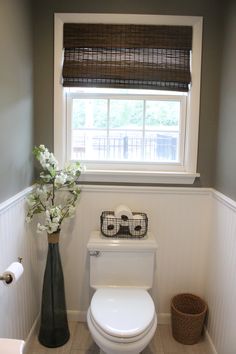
124,213
110,226
15,270
137,226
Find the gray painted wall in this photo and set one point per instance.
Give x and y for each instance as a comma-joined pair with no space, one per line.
43,59
16,102
225,180
16,98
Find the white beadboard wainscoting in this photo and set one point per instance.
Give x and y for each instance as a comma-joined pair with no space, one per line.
221,275
195,229
19,303
179,218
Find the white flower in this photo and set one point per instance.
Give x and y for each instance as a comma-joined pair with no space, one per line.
41,190
55,211
52,228
47,159
56,220
60,179
31,200
52,160
41,228
73,171
46,199
45,178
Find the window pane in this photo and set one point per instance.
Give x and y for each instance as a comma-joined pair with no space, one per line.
126,114
89,113
125,145
161,147
89,129
99,146
162,114
89,145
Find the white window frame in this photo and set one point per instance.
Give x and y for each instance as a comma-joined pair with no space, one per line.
126,165
117,173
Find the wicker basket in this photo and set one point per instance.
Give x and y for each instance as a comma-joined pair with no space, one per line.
123,228
188,313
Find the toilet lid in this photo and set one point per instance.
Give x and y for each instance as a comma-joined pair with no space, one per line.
122,312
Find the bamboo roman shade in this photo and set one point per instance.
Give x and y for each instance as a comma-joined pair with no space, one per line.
127,56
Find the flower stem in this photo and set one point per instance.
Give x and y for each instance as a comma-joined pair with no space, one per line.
53,191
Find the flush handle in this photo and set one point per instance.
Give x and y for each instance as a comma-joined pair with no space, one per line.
95,253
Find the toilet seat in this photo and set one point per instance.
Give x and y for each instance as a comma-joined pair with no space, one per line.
116,339
122,314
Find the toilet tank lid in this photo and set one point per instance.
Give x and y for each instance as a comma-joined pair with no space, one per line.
99,242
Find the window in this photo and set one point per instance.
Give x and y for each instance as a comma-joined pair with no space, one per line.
129,134
125,127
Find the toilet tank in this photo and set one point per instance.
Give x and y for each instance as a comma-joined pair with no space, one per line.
121,262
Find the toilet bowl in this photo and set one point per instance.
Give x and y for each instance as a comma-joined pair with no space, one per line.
121,317
122,320
11,346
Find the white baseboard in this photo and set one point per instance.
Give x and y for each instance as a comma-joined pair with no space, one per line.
208,337
77,316
31,334
163,318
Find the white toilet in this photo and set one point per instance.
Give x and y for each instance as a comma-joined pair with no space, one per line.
121,316
11,346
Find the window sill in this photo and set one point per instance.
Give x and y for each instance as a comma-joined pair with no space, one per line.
144,177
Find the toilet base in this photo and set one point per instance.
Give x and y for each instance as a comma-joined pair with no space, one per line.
102,352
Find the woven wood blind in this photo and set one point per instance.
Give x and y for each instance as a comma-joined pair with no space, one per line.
127,56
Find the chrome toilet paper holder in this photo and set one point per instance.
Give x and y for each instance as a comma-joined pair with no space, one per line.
7,277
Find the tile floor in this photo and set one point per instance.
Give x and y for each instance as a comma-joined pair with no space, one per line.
81,343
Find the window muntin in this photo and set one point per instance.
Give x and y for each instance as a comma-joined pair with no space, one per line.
135,128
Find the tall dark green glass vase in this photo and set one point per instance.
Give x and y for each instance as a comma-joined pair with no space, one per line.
54,331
